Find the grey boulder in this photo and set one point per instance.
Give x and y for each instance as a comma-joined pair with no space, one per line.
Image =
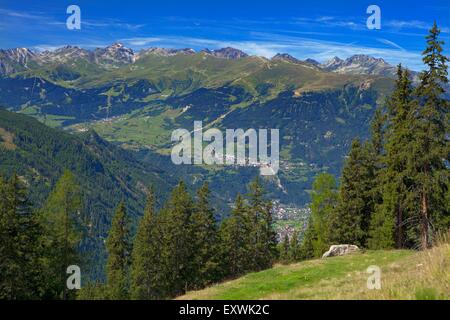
340,250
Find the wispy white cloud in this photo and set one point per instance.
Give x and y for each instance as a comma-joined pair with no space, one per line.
20,14
352,23
111,24
141,42
390,43
412,25
21,18
268,45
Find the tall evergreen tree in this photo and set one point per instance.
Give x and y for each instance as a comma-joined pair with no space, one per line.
350,221
60,217
307,246
235,242
431,147
204,240
177,246
284,250
263,237
394,179
294,248
119,249
20,267
324,202
146,257
381,232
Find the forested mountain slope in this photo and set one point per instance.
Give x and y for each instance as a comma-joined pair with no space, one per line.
106,174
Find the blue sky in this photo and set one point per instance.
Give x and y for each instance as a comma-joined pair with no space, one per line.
306,29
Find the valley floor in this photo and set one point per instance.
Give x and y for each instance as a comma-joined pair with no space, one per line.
404,275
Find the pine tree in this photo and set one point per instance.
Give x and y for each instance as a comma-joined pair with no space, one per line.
307,248
177,247
294,248
381,233
394,179
235,245
349,223
268,242
431,146
284,250
204,237
20,268
324,202
146,256
60,218
263,238
119,249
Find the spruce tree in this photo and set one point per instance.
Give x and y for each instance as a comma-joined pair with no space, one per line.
119,249
204,240
349,223
146,255
60,218
268,242
294,248
431,147
381,232
20,267
394,179
284,250
177,247
324,202
307,248
235,241
262,235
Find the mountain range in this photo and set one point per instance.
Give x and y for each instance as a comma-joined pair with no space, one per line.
20,59
135,101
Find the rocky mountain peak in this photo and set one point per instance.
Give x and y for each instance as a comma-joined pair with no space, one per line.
333,63
285,57
166,52
19,55
226,53
360,64
312,62
64,54
115,53
12,60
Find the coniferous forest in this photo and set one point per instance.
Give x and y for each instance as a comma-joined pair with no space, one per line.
393,193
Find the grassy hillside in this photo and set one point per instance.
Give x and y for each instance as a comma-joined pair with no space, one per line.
405,275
